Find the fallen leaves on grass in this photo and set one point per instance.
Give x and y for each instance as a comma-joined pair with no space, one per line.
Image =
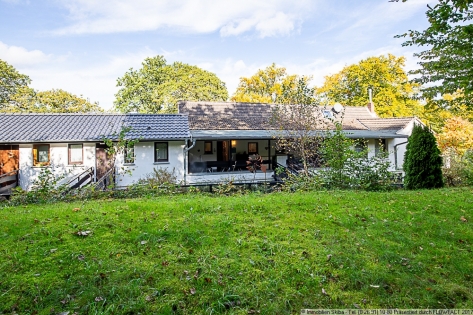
463,219
84,233
75,209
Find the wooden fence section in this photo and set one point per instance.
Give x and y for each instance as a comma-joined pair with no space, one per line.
8,181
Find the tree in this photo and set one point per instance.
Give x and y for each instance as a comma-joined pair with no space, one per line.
272,82
300,127
157,87
60,101
422,160
456,136
12,84
447,64
393,94
52,101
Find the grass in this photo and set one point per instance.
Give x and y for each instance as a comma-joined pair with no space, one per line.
250,254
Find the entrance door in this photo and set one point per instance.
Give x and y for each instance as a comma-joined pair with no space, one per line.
9,158
223,150
103,160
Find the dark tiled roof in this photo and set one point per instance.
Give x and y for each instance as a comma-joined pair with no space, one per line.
254,116
89,127
154,127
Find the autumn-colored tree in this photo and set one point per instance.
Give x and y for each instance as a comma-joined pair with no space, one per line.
393,94
273,82
456,136
157,87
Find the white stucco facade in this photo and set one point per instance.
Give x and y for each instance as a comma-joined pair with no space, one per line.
144,163
58,165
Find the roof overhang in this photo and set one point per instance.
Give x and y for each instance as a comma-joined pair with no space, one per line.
271,134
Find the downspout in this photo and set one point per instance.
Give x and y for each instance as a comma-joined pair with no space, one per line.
395,154
186,149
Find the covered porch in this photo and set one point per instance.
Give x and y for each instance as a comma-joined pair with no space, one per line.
220,159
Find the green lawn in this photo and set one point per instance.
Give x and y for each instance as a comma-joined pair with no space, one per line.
250,254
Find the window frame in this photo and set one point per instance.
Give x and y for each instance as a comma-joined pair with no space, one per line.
36,154
380,143
69,154
156,160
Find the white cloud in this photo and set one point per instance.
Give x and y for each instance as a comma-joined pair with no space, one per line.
266,18
20,57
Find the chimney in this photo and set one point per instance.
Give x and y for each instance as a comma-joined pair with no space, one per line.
370,104
371,107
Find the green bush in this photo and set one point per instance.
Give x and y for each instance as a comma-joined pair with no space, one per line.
422,160
458,170
348,168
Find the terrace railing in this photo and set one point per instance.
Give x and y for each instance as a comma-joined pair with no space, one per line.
8,181
83,179
106,181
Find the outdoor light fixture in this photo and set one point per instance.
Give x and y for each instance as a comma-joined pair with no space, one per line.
233,143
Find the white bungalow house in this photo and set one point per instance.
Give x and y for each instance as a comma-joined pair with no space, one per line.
204,142
69,144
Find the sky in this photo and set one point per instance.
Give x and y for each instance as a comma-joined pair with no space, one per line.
84,46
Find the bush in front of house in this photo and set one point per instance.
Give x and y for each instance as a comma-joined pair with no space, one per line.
422,160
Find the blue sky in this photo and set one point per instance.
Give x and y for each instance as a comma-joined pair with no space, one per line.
83,46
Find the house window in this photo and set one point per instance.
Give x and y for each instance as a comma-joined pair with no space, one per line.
208,147
161,152
252,147
40,154
129,153
360,146
380,146
75,154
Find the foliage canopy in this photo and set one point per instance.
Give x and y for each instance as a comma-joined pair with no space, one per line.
447,65
393,94
456,136
274,82
12,83
157,87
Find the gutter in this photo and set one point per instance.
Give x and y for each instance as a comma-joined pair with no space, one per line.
186,149
395,155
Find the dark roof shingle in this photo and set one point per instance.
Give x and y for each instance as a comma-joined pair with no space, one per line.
89,127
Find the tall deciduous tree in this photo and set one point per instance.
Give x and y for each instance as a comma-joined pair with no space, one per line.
456,136
273,82
12,85
52,101
447,64
60,101
393,94
422,160
157,87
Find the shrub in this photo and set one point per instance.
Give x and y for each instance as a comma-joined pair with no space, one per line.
347,168
422,160
458,170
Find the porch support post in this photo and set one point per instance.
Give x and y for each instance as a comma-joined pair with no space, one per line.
269,155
